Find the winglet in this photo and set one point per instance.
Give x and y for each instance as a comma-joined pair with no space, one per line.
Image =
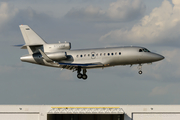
45,56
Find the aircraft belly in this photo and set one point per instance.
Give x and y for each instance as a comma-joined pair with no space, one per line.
121,60
109,61
129,60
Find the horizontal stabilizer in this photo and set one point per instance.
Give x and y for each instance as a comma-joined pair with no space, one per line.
19,45
36,45
23,46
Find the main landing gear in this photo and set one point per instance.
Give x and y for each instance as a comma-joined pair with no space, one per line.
83,76
140,69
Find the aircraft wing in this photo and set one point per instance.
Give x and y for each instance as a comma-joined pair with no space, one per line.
71,66
81,65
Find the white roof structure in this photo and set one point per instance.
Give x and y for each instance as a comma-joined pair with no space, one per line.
89,112
86,110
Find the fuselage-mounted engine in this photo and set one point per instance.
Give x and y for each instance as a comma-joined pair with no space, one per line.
57,47
57,56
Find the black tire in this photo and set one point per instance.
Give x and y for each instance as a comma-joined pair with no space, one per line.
84,76
140,72
79,75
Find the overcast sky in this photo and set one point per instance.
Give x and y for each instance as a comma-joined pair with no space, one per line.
154,24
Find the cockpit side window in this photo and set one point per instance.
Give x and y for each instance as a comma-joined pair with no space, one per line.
140,50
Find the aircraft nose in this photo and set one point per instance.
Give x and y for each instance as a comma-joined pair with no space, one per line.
159,57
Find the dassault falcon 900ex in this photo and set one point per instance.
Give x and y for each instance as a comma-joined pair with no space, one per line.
59,55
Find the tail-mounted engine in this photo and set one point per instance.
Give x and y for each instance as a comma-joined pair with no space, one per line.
57,56
49,57
57,47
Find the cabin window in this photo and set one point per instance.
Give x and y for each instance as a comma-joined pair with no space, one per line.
93,55
96,54
112,53
84,55
104,54
88,54
76,55
119,53
100,54
108,54
115,53
81,55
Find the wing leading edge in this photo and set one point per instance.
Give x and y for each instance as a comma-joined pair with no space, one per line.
82,65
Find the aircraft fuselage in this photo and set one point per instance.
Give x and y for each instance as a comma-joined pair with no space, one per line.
106,56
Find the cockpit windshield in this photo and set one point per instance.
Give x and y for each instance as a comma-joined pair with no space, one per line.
144,50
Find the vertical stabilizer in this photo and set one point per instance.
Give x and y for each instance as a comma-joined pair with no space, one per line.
32,40
30,37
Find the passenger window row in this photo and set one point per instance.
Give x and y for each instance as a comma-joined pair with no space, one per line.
99,54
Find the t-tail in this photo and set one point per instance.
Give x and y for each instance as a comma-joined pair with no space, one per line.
33,42
39,51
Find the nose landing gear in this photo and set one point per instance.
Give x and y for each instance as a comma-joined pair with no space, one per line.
140,69
140,72
83,76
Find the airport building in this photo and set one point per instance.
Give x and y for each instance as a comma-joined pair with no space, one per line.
89,112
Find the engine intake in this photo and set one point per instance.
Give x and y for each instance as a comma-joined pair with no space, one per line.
65,46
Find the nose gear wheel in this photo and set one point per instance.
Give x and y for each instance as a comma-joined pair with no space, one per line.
140,72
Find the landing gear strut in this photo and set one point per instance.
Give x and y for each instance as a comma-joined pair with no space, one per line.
140,69
84,76
79,75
